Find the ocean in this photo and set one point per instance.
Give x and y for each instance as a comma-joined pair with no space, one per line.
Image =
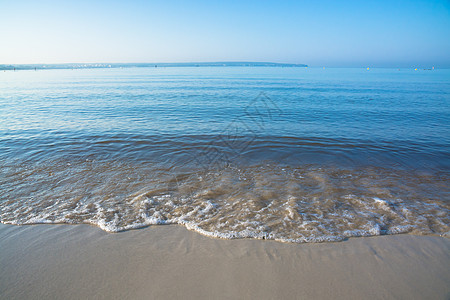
291,154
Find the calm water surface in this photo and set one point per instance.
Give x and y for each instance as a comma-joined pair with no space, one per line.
291,154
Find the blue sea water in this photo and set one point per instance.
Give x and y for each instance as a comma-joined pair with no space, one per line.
286,153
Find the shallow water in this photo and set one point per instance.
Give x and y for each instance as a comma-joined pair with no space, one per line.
292,154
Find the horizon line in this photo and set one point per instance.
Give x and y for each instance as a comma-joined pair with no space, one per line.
99,65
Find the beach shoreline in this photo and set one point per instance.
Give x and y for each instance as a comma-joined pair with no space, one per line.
82,261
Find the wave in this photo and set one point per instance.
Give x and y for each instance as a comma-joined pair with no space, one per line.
297,203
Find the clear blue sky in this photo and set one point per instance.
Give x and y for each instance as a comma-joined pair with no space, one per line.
318,33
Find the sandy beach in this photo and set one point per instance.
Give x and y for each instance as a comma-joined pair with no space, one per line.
225,150
84,262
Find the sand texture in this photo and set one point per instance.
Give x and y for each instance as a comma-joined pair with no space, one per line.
84,262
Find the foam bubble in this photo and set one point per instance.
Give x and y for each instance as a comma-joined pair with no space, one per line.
292,205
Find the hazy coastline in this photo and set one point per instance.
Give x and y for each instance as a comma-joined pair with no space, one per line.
142,65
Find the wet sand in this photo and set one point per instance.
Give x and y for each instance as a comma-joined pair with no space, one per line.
84,262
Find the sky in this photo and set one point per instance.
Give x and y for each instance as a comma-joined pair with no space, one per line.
318,33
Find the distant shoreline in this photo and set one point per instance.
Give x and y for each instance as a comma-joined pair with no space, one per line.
143,65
